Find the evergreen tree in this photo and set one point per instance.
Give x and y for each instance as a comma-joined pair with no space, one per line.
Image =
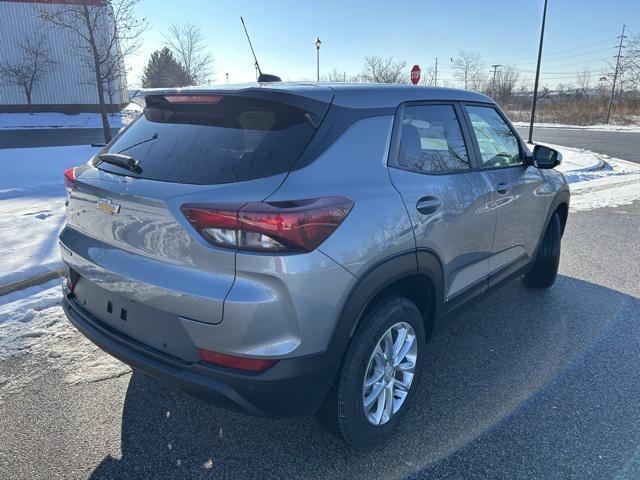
163,70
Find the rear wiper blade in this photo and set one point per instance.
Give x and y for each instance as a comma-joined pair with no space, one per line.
120,160
152,137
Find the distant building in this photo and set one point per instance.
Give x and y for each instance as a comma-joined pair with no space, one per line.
70,87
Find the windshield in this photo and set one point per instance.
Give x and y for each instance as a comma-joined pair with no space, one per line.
232,140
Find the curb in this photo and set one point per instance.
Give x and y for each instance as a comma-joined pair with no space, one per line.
593,168
31,281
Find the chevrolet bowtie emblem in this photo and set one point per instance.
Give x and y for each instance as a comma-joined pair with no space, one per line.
107,206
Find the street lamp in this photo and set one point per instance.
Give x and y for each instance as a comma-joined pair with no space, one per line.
318,42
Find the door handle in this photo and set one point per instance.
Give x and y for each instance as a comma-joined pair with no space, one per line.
428,205
502,188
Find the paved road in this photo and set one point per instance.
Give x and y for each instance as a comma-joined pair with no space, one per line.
625,145
49,137
527,385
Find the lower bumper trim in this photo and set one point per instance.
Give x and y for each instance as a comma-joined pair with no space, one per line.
292,387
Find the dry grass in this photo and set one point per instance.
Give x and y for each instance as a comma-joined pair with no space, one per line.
576,111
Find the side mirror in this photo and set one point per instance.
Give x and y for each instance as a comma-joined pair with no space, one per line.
545,157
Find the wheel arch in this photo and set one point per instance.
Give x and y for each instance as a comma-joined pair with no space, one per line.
419,281
563,212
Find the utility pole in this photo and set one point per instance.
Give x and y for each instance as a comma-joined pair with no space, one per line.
493,88
615,73
435,76
535,86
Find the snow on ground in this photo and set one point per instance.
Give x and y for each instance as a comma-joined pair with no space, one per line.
618,183
19,121
32,208
598,181
601,127
33,325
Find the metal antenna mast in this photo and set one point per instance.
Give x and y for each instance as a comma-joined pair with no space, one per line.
251,46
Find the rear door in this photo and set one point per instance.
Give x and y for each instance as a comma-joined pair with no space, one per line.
520,204
448,199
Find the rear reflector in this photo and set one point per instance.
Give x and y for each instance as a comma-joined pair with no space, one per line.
69,178
71,279
241,363
291,226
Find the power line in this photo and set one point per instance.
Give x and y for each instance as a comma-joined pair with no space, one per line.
564,57
568,64
560,52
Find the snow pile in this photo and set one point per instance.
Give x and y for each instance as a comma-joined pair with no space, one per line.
575,161
598,181
33,325
618,183
32,208
20,121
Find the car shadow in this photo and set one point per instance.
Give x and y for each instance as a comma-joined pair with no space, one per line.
491,363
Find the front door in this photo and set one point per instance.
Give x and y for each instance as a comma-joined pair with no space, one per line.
519,202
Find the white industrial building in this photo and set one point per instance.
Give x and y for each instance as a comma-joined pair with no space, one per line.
70,87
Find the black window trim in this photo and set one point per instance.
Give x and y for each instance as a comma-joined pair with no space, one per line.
394,148
476,146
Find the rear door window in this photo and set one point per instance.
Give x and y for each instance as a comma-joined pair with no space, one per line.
210,139
431,140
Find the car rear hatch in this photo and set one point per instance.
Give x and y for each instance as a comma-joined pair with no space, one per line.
126,236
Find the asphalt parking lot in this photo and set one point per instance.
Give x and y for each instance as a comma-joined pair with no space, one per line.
527,384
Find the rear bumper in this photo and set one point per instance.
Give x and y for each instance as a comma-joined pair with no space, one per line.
292,387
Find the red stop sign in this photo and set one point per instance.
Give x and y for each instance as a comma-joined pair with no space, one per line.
415,74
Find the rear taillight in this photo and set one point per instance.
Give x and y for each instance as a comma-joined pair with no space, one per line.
241,363
69,179
291,226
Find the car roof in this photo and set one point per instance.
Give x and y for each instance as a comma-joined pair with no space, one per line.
351,95
381,95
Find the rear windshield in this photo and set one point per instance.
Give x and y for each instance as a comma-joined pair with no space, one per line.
231,139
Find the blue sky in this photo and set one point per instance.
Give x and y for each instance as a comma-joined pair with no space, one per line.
579,34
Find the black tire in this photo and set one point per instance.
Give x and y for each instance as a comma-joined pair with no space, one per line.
545,267
343,412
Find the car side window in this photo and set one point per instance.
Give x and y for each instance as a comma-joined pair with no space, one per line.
499,147
431,140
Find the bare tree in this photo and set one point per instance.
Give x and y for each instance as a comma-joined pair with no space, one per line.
468,68
106,31
339,77
506,80
428,76
632,62
384,70
190,49
583,82
30,67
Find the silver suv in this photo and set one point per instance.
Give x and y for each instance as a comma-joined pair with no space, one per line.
288,249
